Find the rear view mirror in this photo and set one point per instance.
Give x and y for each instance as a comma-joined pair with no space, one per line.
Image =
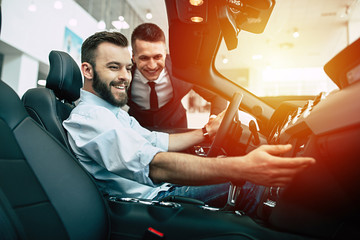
248,15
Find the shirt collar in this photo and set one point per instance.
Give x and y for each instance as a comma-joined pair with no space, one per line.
88,97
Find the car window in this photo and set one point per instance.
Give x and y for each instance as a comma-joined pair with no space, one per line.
287,55
266,80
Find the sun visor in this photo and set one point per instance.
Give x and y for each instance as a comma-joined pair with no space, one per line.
344,68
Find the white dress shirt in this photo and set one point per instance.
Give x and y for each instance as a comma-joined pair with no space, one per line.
114,148
140,90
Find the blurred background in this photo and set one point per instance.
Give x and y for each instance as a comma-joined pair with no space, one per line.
287,58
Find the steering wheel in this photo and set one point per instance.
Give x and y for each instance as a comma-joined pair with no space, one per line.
225,125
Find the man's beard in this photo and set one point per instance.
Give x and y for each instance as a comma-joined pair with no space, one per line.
104,91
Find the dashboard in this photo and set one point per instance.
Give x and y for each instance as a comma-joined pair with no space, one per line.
321,201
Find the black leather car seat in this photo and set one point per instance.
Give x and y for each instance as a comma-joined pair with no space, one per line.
44,192
50,106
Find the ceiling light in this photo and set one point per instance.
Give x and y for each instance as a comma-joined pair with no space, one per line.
296,33
344,13
101,25
196,19
41,82
224,59
196,2
148,15
257,57
58,4
117,24
120,24
32,7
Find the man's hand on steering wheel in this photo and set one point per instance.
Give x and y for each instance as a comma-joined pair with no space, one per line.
226,118
214,123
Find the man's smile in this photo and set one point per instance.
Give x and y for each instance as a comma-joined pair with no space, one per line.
121,86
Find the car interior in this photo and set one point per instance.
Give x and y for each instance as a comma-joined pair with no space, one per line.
45,193
51,105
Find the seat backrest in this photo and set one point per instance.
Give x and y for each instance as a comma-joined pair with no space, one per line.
44,192
50,106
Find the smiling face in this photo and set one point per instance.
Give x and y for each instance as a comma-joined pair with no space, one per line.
149,58
112,73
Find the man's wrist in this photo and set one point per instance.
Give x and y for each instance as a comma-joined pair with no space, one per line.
205,133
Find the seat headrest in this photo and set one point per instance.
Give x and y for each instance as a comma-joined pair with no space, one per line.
64,77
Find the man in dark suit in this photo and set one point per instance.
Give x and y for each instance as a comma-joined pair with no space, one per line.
153,65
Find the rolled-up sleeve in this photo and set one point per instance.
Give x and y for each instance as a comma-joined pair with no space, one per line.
117,143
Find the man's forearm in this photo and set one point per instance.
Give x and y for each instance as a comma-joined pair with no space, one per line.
182,141
262,166
187,169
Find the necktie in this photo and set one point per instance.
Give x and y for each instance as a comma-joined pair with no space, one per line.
153,97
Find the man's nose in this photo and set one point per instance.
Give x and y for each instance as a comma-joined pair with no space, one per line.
152,64
125,74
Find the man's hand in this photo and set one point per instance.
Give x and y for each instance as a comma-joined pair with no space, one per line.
263,165
214,123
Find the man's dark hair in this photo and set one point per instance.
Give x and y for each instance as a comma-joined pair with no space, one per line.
88,49
147,32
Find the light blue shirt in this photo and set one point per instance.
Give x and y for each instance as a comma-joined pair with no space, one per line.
114,148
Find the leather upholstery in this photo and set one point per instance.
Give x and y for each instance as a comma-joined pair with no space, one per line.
50,106
64,77
44,191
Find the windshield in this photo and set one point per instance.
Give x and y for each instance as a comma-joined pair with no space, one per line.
289,56
266,80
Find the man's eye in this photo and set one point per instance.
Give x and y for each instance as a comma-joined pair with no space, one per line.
157,57
114,67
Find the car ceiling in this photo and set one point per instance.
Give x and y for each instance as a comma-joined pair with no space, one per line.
322,25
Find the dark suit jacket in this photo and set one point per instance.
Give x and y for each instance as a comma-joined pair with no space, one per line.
173,114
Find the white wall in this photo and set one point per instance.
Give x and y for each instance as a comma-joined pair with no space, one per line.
20,72
354,31
35,34
354,22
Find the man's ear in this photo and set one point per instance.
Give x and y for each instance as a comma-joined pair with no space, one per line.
133,58
87,70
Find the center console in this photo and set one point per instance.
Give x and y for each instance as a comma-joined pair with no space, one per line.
145,219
